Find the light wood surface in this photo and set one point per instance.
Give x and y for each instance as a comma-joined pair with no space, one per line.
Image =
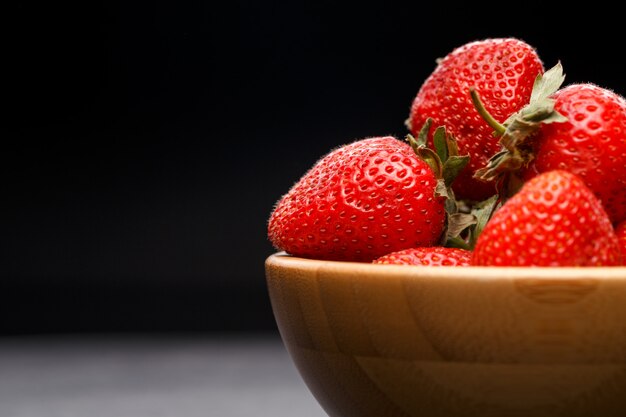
382,341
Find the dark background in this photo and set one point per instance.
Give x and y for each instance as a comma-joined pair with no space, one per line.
145,143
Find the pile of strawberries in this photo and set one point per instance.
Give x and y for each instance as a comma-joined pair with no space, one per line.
502,168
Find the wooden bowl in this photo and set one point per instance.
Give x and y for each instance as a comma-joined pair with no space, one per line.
382,341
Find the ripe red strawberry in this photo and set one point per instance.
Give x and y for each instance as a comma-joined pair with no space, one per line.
580,129
554,220
503,72
620,231
431,256
591,144
359,202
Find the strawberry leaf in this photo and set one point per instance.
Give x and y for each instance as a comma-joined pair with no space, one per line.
452,146
547,84
422,136
440,141
432,159
451,205
441,190
444,161
482,212
446,164
452,167
458,222
503,161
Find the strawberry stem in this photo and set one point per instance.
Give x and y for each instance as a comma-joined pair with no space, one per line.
495,125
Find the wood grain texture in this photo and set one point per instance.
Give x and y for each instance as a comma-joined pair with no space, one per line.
391,341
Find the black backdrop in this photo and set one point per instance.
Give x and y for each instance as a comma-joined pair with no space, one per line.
145,143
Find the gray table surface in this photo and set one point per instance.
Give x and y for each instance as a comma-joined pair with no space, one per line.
137,376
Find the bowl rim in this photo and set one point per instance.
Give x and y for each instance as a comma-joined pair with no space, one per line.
283,260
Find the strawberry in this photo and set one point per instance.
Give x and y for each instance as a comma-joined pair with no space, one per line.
554,220
432,256
582,130
620,231
591,144
503,71
359,202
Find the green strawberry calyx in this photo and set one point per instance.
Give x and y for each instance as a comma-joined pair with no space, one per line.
446,163
517,132
482,211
